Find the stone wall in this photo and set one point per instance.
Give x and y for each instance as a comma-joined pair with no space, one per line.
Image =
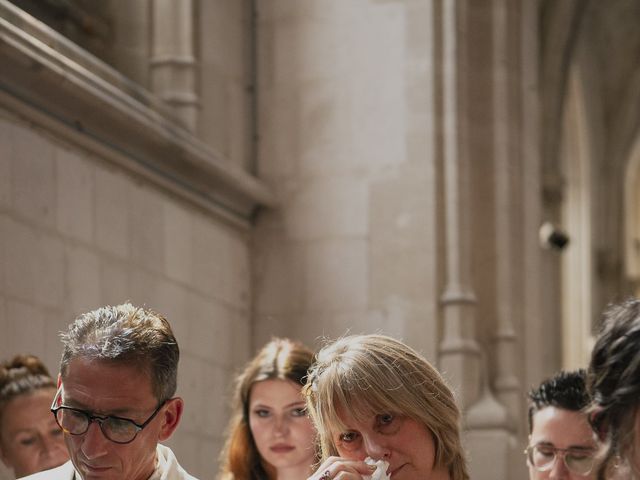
77,233
345,145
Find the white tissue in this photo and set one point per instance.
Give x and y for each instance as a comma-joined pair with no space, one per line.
381,471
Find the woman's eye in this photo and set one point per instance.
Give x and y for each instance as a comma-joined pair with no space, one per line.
385,419
299,412
348,437
27,441
261,412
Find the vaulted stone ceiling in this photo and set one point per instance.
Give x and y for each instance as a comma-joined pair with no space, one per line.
609,34
615,28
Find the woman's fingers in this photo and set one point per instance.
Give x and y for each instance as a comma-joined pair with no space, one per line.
337,468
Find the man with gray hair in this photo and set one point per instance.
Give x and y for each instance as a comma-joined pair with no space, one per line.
115,400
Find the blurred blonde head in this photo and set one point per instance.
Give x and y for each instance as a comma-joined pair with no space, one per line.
365,375
30,440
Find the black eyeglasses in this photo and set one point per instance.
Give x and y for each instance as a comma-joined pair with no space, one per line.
544,457
117,429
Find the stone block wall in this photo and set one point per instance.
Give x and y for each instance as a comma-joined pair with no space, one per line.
77,232
345,115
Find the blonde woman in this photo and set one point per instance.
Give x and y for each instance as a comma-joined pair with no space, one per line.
30,440
374,398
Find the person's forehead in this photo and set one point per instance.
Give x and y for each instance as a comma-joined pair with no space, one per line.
29,411
561,427
275,392
107,386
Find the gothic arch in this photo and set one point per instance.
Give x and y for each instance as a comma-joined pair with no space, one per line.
632,217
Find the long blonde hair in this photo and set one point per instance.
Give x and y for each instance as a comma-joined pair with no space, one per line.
365,375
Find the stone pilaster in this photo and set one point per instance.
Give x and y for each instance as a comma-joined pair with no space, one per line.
506,381
173,62
458,349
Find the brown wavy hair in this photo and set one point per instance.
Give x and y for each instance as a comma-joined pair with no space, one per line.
281,359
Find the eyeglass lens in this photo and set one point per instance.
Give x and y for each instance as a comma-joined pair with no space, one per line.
543,458
77,422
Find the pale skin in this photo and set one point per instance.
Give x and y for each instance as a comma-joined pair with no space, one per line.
30,440
563,429
282,431
405,443
126,391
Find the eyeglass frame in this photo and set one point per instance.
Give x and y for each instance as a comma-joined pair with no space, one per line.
563,453
99,419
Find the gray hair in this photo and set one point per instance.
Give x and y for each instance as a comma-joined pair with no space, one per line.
126,334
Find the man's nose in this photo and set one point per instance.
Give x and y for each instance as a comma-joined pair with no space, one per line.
93,443
559,470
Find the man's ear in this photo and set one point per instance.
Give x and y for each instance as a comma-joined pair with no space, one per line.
170,418
59,381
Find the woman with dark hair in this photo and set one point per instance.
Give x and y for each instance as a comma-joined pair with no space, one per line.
614,383
30,440
270,435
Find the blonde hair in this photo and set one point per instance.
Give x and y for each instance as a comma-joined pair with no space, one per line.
365,375
22,375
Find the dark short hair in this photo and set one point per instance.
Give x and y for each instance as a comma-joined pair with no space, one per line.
126,334
565,389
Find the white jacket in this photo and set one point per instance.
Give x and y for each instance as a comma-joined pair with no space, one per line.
167,468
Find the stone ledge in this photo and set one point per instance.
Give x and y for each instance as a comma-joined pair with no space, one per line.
49,80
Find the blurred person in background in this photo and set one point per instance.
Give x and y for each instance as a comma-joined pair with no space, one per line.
30,440
614,385
562,445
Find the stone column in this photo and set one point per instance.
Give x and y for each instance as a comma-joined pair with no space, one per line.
506,381
458,349
173,63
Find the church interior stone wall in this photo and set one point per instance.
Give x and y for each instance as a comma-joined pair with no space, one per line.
313,168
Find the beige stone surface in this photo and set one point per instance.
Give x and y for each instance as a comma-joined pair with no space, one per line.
278,276
74,195
19,314
33,263
98,235
112,201
328,208
114,281
412,147
83,279
147,228
225,66
336,275
32,168
178,232
6,154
